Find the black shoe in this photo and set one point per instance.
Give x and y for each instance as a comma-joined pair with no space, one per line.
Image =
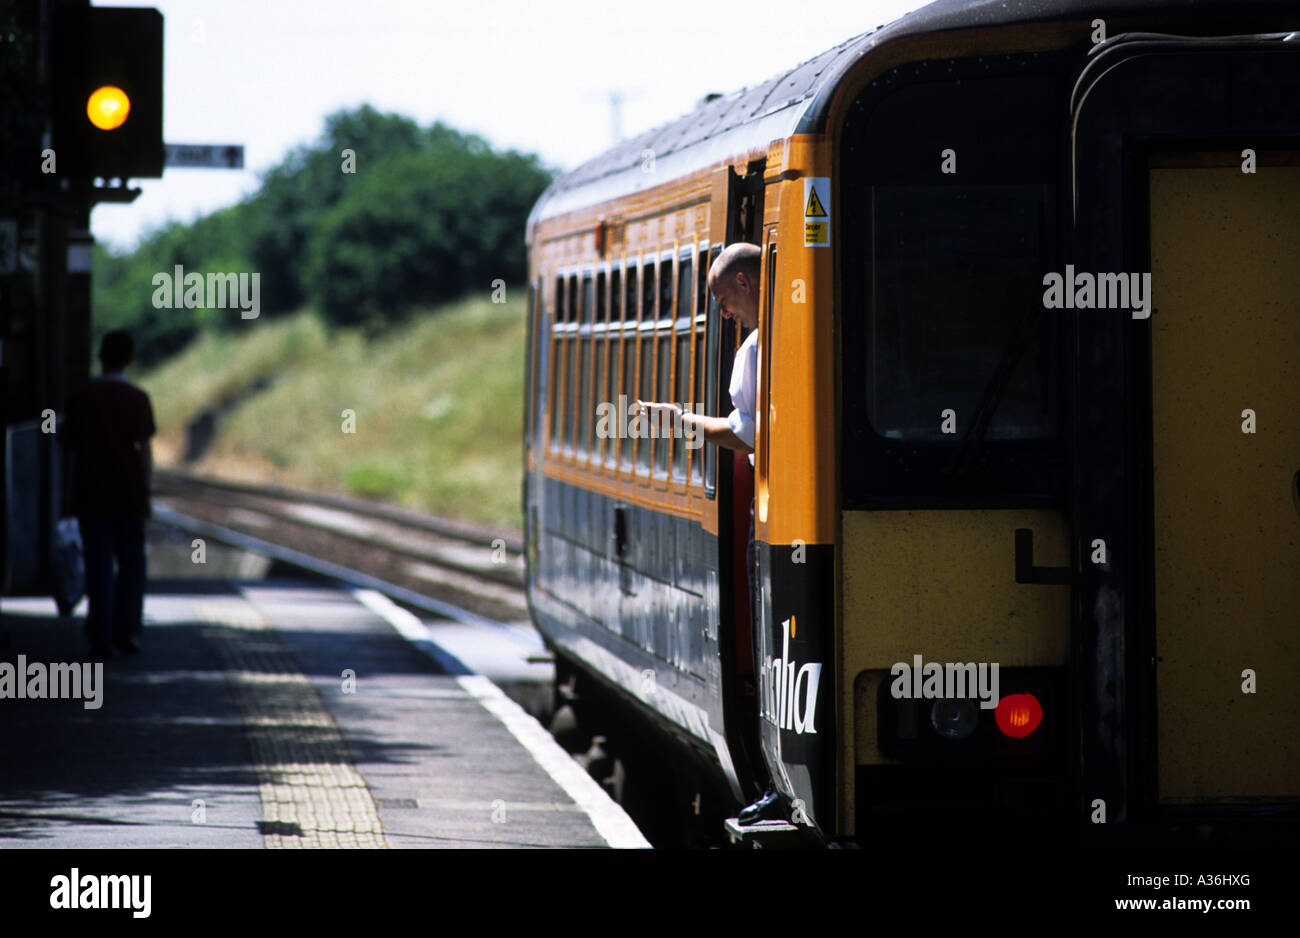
764,807
128,646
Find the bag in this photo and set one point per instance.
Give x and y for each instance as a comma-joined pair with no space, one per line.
69,566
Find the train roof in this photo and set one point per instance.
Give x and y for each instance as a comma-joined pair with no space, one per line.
797,99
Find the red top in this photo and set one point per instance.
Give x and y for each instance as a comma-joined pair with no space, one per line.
108,422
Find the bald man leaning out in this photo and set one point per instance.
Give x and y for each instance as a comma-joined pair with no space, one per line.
734,281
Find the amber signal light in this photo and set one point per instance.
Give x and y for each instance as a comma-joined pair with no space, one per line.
108,107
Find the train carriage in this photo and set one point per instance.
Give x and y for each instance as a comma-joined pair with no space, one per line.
1025,486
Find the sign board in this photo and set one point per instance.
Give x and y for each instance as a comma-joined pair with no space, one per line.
205,155
817,213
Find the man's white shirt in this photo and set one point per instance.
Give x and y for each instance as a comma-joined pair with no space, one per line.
743,389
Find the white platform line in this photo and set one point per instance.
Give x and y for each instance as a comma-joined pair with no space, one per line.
610,821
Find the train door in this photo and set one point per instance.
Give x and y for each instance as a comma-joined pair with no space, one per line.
741,221
1191,469
1225,441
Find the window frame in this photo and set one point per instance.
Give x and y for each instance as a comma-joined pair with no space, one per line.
682,330
556,336
880,472
712,378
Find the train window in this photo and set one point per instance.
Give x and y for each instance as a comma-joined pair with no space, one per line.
666,289
557,392
557,364
697,455
583,418
627,446
683,397
599,354
570,391
697,329
610,391
645,387
713,337
682,365
702,288
600,358
662,359
685,271
648,293
629,294
663,392
627,359
956,314
615,296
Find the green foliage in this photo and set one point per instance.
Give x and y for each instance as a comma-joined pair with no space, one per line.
428,214
306,184
429,227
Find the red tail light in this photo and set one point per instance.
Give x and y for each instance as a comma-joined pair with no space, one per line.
1018,715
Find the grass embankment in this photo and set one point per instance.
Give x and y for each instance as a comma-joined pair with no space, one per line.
437,400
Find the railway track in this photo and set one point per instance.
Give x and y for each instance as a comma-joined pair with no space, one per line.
479,569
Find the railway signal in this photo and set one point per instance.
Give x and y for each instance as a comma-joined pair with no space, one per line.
107,92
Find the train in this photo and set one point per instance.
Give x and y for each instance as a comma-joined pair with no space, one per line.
1025,490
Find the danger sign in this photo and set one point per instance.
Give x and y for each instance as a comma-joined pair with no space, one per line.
816,212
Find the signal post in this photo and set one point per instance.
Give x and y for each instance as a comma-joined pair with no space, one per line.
83,104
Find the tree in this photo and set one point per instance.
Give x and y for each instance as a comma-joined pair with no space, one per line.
424,228
307,184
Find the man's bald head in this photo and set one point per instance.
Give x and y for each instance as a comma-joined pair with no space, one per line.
733,280
737,258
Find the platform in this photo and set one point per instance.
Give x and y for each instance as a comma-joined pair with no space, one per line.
281,712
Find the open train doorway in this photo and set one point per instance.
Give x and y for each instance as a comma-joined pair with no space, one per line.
735,494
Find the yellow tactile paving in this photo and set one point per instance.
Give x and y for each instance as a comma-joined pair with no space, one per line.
312,794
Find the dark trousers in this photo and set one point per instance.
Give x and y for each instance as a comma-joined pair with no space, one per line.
116,600
755,615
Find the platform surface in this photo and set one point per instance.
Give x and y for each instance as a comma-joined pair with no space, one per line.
280,713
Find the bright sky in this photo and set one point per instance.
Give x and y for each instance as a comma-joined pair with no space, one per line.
535,75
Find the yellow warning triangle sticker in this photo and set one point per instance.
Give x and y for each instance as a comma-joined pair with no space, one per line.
814,209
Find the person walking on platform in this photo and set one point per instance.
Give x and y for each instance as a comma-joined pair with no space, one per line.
107,427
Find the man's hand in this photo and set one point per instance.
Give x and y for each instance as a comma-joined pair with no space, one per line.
654,409
715,429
